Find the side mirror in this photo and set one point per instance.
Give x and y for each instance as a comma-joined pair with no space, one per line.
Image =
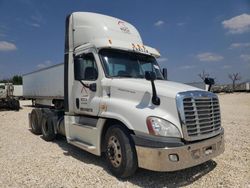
149,75
92,87
209,81
165,73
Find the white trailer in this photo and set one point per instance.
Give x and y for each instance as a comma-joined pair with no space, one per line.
45,86
119,103
18,91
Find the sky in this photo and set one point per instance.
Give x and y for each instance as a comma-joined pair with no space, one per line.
192,36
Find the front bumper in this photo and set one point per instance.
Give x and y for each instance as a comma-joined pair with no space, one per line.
158,159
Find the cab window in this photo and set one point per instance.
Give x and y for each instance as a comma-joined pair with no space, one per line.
85,67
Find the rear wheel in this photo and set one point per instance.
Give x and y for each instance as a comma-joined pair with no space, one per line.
48,127
36,117
120,152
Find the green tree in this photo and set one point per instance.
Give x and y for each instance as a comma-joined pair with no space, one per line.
17,80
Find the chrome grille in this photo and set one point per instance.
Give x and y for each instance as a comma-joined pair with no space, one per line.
200,114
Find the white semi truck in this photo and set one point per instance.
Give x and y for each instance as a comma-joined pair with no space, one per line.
117,101
7,98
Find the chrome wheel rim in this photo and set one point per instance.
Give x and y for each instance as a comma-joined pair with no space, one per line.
114,151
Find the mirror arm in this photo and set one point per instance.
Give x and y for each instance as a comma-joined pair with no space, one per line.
209,87
155,99
84,85
88,86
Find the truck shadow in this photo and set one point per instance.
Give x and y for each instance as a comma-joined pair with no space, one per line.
142,178
172,179
7,109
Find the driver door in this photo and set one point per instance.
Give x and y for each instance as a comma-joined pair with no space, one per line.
86,96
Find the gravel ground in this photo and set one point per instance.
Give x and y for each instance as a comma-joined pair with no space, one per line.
26,160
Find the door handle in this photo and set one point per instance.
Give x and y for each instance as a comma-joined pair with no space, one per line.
77,103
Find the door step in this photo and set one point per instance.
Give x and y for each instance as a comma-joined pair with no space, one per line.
82,145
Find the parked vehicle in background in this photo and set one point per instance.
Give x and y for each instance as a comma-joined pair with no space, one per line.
18,91
118,102
7,99
228,88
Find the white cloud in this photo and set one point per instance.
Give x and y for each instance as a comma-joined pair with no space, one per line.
245,57
181,24
35,25
209,57
226,66
238,24
37,18
240,45
187,67
162,59
45,64
7,46
159,23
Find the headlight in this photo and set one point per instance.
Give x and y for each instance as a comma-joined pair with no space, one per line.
157,126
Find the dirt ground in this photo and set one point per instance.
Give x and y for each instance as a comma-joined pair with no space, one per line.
26,160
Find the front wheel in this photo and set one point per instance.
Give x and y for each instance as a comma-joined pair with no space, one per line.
120,152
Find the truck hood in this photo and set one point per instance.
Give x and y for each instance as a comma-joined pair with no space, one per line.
164,88
130,101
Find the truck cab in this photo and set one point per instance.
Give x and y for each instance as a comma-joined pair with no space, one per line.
7,99
118,102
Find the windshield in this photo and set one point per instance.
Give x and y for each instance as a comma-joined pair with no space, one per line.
118,63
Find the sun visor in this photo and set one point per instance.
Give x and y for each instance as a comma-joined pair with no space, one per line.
105,31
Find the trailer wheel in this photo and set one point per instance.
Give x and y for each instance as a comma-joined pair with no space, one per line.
48,127
120,152
36,116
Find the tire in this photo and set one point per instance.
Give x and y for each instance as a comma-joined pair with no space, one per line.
16,104
48,127
36,117
11,104
120,152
